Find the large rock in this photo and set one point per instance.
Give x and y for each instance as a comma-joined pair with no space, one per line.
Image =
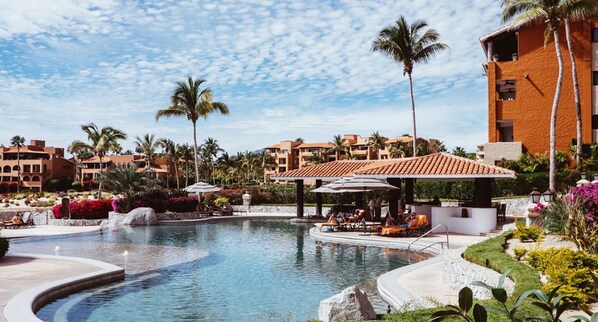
351,304
143,216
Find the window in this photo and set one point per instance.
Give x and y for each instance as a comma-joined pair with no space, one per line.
594,122
595,78
25,178
27,168
36,168
506,89
6,168
594,34
35,178
15,168
282,161
282,169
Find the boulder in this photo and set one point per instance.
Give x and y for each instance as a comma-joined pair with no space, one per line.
143,216
351,304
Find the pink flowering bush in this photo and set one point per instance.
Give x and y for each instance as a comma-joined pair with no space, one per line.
587,199
539,207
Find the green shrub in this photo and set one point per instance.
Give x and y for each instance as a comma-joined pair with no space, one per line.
221,201
3,246
571,269
524,233
519,252
554,217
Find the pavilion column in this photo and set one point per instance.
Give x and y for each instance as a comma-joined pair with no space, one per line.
393,196
359,200
299,189
482,192
409,191
318,199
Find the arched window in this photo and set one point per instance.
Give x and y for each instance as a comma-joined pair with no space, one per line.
35,178
26,178
7,168
15,168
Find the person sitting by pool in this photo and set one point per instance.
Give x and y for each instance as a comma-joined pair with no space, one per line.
389,222
17,219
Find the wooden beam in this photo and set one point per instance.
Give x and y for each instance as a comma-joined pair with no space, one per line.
318,198
299,189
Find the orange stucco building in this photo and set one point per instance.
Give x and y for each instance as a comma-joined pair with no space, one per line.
38,164
522,76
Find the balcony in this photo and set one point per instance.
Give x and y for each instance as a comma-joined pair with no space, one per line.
492,153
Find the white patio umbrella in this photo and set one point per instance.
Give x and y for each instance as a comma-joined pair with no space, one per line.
364,184
201,187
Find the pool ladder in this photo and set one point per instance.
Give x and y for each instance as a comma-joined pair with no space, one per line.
438,242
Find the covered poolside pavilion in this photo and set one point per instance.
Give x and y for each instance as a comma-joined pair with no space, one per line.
437,166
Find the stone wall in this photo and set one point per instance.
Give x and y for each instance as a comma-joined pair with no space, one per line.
459,273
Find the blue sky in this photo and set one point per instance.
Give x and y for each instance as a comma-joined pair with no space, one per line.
286,69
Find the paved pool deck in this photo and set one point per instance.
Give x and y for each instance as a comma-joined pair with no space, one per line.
25,277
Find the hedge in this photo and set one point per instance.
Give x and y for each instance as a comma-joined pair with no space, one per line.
174,204
88,209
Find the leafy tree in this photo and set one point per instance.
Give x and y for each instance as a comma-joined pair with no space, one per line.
169,152
208,151
459,151
101,140
376,142
147,145
315,158
339,146
409,44
299,140
400,150
189,101
185,155
521,12
18,141
128,182
79,155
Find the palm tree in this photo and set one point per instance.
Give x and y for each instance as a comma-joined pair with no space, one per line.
101,141
268,162
185,153
408,45
376,142
18,141
339,145
128,182
299,140
188,100
147,145
522,12
315,158
577,10
400,150
459,151
169,151
209,150
80,156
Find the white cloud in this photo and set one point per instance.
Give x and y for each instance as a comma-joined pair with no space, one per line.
298,68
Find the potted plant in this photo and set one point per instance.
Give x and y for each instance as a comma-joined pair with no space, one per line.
515,56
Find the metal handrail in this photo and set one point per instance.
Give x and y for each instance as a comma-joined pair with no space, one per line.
428,232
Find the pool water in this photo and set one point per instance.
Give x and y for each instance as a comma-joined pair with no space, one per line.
244,270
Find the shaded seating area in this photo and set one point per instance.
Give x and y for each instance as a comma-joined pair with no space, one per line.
19,220
417,225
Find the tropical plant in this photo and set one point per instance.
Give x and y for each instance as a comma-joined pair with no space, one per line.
101,140
376,142
185,155
268,162
79,156
18,141
409,44
147,145
169,152
461,311
208,151
299,140
127,182
189,101
521,12
459,151
315,158
400,150
339,146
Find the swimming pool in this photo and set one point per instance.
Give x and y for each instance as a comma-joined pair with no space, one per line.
241,270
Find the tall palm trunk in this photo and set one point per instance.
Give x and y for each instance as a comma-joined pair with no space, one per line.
413,113
18,168
167,174
176,173
186,173
578,149
195,151
100,184
553,116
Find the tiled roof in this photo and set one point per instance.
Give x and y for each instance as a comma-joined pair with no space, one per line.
437,166
329,170
315,145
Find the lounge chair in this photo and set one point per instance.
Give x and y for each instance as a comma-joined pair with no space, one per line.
418,227
332,223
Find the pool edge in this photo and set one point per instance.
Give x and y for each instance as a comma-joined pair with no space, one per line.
22,307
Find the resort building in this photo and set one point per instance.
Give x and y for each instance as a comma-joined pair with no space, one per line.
522,75
91,166
291,155
38,164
